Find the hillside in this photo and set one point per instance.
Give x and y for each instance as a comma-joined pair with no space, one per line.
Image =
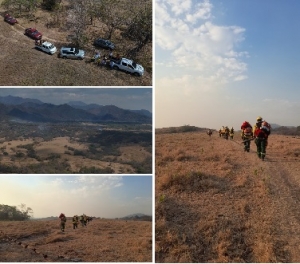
101,241
36,111
23,65
216,203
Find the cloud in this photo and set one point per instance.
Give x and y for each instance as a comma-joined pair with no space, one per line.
193,43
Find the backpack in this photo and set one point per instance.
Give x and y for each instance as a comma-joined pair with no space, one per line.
248,131
245,125
266,127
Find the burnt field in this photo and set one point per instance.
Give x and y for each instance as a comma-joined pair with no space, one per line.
75,148
102,240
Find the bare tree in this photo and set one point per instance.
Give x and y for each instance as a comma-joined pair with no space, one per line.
140,28
78,21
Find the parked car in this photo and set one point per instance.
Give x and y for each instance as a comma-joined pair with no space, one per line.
46,47
127,65
9,19
71,53
33,33
104,43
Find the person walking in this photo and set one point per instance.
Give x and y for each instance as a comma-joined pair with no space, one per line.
63,220
261,132
247,135
75,221
231,133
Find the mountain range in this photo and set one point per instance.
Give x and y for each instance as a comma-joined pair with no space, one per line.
34,110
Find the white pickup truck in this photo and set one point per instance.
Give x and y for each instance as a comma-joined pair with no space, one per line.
127,65
46,47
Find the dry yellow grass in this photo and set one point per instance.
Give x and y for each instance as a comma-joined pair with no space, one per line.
217,203
101,241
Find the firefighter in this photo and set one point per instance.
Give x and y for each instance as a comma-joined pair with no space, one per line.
75,221
63,220
262,130
247,135
231,133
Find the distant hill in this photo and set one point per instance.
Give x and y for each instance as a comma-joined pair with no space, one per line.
82,105
138,216
180,129
142,112
95,108
15,100
284,130
36,111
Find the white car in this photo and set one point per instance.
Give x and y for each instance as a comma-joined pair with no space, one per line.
46,47
128,66
71,53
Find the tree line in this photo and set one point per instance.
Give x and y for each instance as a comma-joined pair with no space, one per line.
15,213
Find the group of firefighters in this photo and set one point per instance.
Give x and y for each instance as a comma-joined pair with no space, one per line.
84,219
259,133
225,131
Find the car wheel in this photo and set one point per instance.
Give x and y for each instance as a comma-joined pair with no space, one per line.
116,67
136,74
64,57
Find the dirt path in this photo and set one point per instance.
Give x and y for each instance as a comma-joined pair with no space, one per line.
217,203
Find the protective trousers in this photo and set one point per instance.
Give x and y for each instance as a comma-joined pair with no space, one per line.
261,144
247,142
62,226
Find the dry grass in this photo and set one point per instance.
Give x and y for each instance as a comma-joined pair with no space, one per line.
101,241
22,65
60,145
217,203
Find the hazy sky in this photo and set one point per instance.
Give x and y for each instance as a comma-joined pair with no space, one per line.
131,98
224,62
100,196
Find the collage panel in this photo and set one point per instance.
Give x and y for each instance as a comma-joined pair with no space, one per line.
76,43
76,130
227,131
76,218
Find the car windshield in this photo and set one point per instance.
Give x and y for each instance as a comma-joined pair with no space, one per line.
134,64
76,51
35,32
51,46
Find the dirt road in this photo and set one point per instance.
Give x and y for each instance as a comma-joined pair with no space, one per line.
217,203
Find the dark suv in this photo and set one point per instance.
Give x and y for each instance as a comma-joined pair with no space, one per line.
104,43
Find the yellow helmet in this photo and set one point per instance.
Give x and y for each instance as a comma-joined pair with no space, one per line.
259,119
